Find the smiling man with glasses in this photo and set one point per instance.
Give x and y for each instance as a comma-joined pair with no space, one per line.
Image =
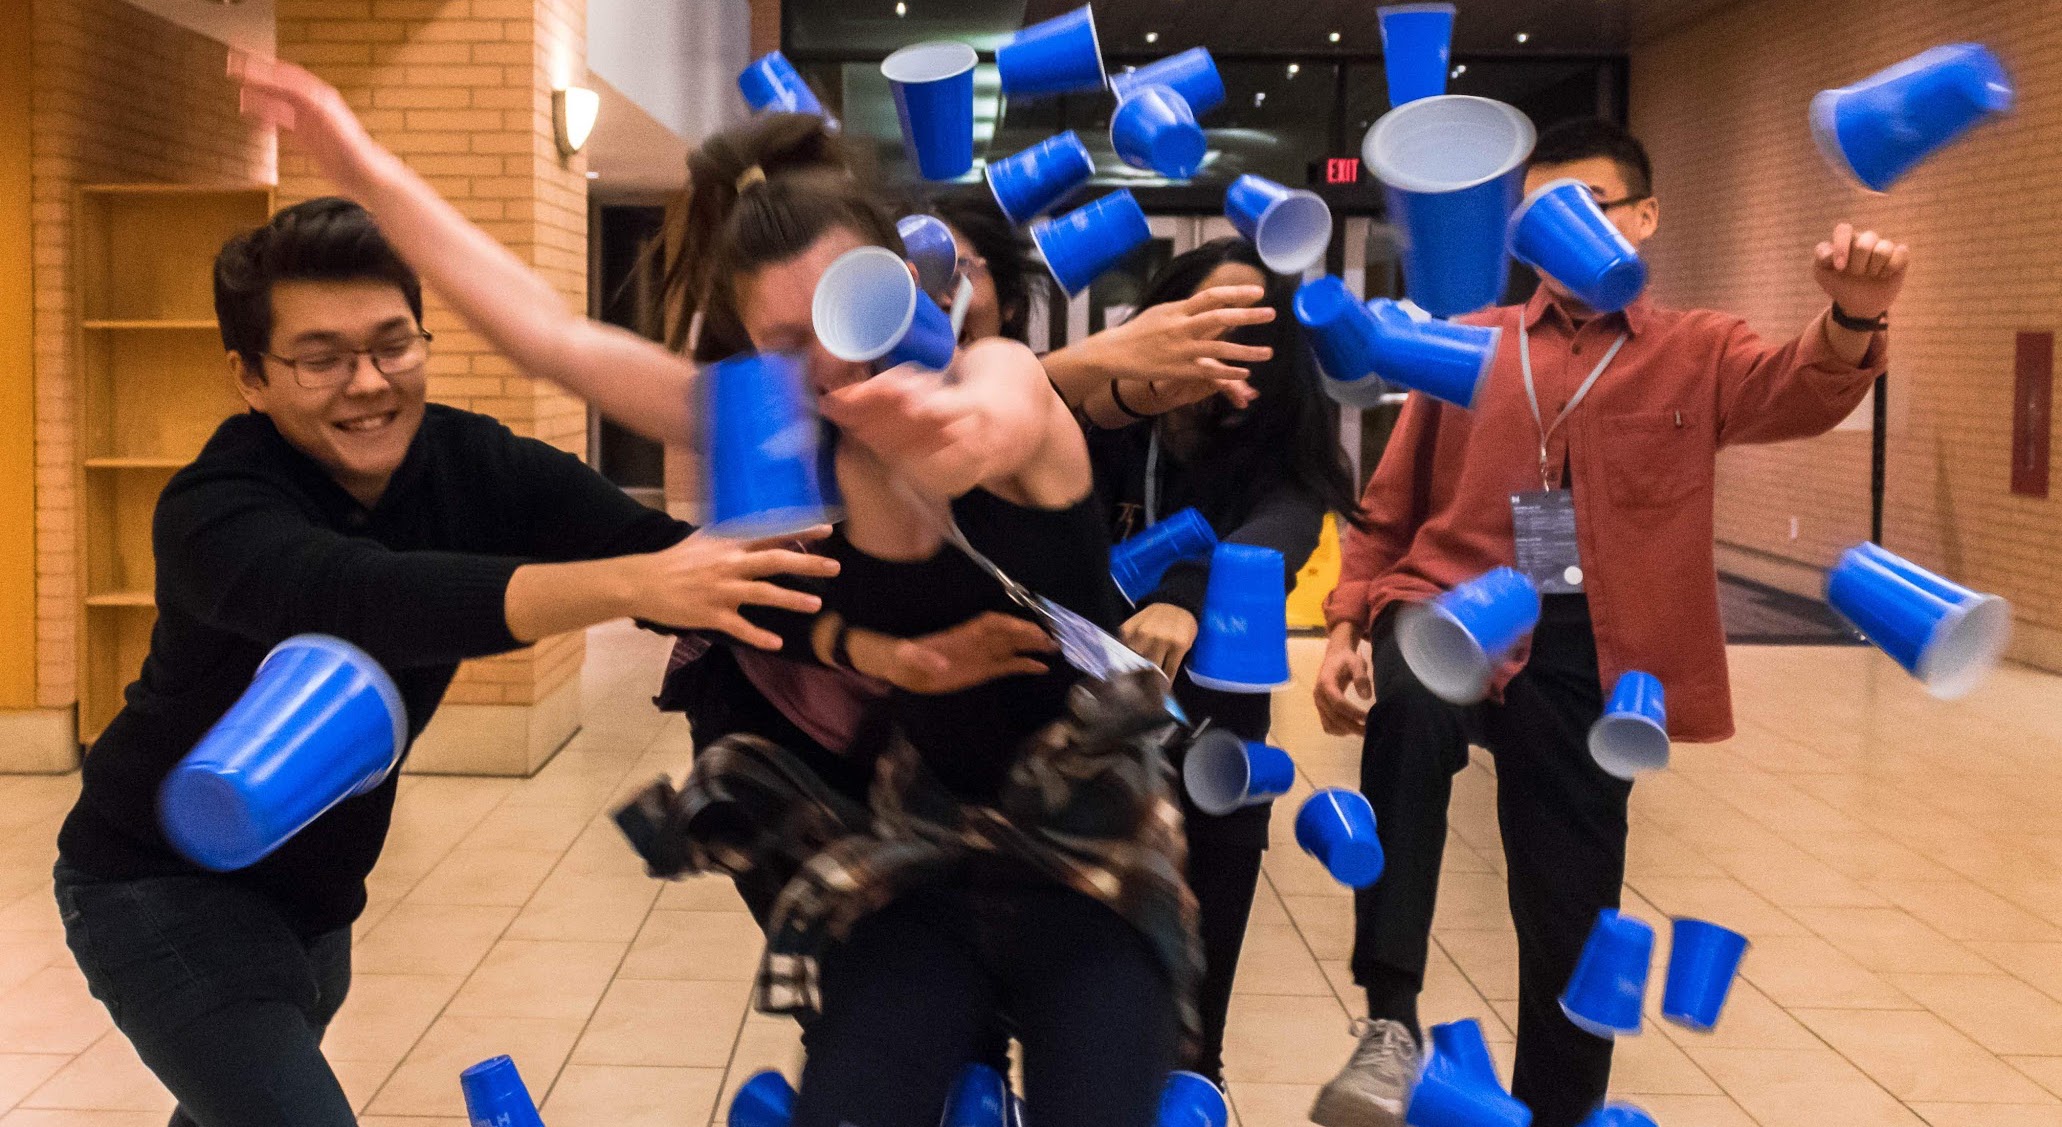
342,503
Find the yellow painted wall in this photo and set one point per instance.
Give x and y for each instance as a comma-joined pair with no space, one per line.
17,381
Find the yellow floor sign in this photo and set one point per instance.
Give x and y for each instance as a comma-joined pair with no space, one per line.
1315,581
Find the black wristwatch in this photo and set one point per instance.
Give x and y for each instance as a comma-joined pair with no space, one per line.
1853,324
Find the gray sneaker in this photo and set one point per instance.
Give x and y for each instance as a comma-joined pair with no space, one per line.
1374,1086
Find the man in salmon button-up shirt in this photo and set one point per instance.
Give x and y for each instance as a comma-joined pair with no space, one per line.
1638,591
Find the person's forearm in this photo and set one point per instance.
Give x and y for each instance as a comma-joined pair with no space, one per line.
626,377
548,599
1079,371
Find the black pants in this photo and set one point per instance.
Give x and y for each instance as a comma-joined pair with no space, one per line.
908,997
1563,822
222,1000
1223,867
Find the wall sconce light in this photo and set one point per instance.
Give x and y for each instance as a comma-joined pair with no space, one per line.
573,110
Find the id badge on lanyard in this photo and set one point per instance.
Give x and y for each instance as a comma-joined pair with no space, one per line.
1543,523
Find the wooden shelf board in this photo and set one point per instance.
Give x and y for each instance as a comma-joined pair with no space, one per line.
158,325
136,463
122,599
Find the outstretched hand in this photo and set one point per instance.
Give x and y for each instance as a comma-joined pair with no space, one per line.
699,583
1862,272
286,96
987,647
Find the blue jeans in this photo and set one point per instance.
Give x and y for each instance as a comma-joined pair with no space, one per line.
222,1000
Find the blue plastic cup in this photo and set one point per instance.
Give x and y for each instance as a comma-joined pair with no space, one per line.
495,1096
934,98
1154,130
1140,562
320,723
869,308
765,1099
1452,169
1337,826
1058,56
1604,995
764,450
1454,642
1417,43
1243,643
1342,333
1192,74
772,85
1702,960
1631,737
1080,245
1876,130
1458,1086
932,250
1561,232
1946,635
1617,1115
1223,772
979,1098
1289,227
1029,183
1444,359
1191,1100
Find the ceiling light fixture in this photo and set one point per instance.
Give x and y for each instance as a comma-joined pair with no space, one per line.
1259,97
901,9
1524,37
1152,37
1293,69
1333,37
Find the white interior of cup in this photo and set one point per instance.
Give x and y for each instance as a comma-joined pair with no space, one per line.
1447,143
1626,746
929,62
864,304
1966,646
1443,655
1217,774
1293,233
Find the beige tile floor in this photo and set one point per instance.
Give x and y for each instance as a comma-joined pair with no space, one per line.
1897,861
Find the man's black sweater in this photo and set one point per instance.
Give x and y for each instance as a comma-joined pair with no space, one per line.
256,543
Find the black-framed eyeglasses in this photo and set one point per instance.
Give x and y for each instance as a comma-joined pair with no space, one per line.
1606,205
322,368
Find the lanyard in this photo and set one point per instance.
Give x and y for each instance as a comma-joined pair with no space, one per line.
1152,499
1545,431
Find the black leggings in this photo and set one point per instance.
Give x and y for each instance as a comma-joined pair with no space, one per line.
1223,868
908,997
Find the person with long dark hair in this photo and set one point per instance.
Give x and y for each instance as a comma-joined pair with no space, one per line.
1264,473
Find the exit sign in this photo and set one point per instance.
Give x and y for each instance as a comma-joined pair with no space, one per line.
1342,170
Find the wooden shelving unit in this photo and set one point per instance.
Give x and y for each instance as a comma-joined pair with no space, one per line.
153,386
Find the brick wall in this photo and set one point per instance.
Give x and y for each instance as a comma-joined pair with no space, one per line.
462,90
118,95
1745,196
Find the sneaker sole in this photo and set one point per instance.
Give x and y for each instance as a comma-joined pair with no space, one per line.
1339,1110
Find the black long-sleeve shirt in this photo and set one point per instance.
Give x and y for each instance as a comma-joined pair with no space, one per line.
255,543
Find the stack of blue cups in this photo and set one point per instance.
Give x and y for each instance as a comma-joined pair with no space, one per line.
772,85
1880,128
933,84
1943,633
1141,561
321,722
1080,245
1242,645
1452,168
1029,183
495,1095
763,447
1417,43
868,308
1453,643
1058,56
1458,1085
